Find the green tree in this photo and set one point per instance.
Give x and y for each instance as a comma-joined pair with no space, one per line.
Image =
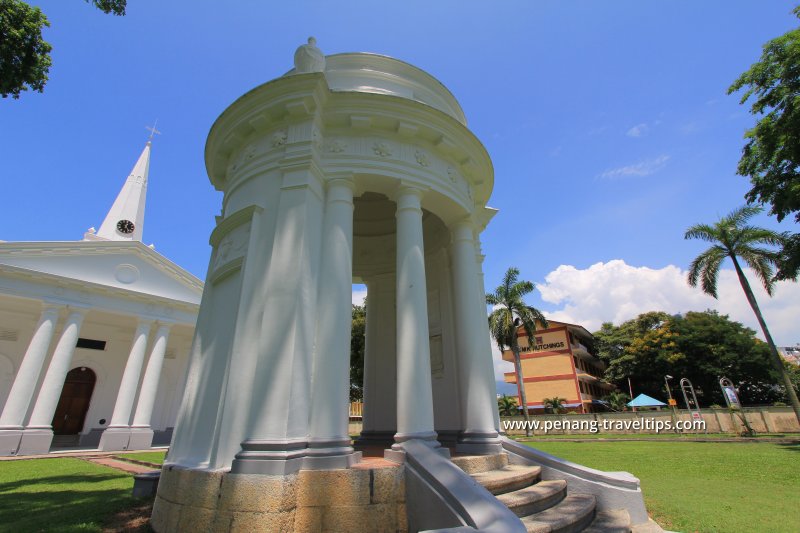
732,238
507,405
509,315
701,346
771,154
555,404
357,341
24,54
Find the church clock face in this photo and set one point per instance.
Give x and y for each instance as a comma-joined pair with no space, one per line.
125,226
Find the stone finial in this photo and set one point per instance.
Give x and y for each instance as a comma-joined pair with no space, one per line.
309,58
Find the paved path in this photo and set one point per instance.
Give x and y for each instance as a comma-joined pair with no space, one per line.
76,453
116,464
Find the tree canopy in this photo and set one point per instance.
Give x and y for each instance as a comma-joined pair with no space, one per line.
771,155
701,346
24,54
357,341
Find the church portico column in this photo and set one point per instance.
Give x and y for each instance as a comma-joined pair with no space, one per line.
414,394
38,434
116,436
141,432
329,442
21,394
476,374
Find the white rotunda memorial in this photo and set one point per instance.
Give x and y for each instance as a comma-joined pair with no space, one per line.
350,168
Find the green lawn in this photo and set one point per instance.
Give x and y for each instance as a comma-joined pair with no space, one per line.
61,495
703,486
148,457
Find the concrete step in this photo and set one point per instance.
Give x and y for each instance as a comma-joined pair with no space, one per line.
508,479
473,464
613,521
573,514
535,498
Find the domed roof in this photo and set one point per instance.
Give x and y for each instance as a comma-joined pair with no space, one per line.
373,73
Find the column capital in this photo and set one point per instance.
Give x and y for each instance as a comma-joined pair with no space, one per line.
340,190
408,197
164,326
73,310
342,180
463,230
50,307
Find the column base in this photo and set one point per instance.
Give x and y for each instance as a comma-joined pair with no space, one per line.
141,438
479,443
115,439
271,457
398,455
9,441
35,441
374,439
330,454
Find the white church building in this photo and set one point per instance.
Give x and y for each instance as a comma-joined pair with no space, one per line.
94,335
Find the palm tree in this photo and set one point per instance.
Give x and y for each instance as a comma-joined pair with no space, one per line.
507,405
555,404
617,400
734,239
509,315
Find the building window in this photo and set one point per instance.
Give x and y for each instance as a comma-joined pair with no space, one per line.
91,344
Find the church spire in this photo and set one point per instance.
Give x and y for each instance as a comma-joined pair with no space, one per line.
125,219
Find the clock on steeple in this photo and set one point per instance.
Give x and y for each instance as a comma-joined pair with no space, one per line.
125,226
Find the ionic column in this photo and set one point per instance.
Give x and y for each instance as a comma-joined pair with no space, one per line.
116,436
483,330
38,433
476,372
19,399
414,394
329,442
141,432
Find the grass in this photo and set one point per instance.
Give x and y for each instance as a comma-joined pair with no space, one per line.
703,486
148,457
64,495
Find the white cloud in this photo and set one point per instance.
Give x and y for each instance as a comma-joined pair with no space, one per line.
639,130
615,292
643,168
358,296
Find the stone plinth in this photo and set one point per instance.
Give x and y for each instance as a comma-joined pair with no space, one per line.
356,499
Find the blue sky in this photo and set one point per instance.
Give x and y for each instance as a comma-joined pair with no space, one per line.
607,122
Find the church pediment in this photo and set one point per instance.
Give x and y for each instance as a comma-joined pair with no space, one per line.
129,266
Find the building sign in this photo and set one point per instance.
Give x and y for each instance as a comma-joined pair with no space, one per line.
544,342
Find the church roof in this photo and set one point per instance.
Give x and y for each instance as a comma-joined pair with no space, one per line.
112,265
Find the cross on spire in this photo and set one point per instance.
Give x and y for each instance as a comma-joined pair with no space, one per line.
153,131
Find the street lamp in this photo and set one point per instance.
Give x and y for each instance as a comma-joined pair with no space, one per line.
671,401
666,382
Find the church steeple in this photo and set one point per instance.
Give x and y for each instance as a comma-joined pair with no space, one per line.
125,219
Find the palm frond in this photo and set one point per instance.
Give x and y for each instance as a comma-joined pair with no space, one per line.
761,263
740,215
702,231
